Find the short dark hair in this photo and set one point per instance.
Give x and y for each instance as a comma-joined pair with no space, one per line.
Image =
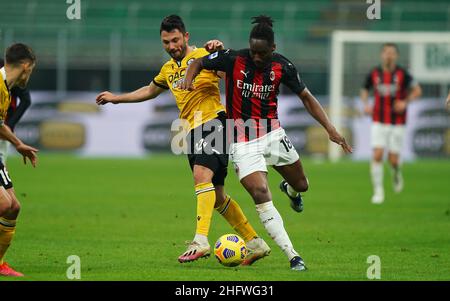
172,22
17,53
263,29
389,44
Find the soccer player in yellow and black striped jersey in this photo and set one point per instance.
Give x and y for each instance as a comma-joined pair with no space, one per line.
209,169
19,64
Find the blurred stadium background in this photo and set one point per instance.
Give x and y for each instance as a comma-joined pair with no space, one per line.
115,46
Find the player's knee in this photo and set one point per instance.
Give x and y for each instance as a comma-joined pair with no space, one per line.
260,194
378,157
202,177
393,163
5,207
15,208
393,160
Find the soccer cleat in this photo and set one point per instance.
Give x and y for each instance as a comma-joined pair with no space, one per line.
256,249
378,196
6,270
194,252
296,202
297,264
398,181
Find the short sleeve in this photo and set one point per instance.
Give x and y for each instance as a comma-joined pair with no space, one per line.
368,84
409,81
291,78
218,61
160,80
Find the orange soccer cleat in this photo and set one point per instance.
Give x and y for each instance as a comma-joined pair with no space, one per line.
6,270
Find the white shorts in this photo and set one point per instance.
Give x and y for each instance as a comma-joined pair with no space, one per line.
274,148
4,149
388,136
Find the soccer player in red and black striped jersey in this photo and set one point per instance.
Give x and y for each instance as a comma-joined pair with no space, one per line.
393,88
253,78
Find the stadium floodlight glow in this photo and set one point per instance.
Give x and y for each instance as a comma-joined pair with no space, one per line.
338,40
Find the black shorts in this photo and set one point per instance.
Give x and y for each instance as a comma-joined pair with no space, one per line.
208,148
5,180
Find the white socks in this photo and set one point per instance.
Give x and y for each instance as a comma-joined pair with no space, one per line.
376,170
273,223
201,239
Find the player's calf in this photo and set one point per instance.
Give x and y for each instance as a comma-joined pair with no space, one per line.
301,185
260,193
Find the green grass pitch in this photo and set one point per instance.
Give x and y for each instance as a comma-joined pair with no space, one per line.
128,219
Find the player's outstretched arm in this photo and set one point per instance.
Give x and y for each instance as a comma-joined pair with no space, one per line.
193,70
139,95
315,109
25,150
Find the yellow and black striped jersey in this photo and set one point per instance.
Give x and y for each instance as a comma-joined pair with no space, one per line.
198,106
5,96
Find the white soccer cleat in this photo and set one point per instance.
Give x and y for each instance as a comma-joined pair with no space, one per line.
257,248
194,252
398,182
378,197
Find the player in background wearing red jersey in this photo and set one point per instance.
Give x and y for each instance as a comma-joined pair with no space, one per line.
393,88
253,77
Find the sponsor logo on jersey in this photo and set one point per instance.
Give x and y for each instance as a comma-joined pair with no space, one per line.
245,73
272,75
213,55
255,90
177,75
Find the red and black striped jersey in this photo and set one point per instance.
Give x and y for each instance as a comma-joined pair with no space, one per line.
388,87
252,93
